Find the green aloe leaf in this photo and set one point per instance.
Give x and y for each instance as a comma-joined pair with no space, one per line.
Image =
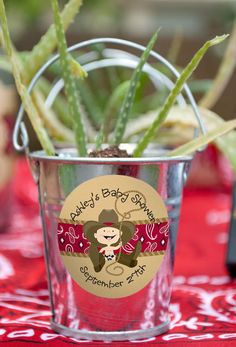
198,142
70,82
200,86
112,75
91,103
26,99
126,107
59,104
41,52
186,73
77,69
223,75
113,103
55,127
175,46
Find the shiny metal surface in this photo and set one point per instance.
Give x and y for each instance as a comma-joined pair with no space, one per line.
69,156
74,311
74,315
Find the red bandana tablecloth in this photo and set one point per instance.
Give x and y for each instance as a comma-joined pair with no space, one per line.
203,304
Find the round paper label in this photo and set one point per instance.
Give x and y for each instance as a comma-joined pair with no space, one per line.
112,235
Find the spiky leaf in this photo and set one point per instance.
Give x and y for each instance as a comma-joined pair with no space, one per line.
187,72
44,48
69,80
202,140
129,99
25,97
113,103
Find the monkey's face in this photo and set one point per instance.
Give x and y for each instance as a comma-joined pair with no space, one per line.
107,235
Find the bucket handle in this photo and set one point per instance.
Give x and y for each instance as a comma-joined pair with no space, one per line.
20,129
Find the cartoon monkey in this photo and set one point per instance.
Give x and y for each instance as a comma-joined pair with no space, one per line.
108,235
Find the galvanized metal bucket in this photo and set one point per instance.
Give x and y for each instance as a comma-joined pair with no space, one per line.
76,309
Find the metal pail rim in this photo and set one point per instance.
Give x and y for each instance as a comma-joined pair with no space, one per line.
69,156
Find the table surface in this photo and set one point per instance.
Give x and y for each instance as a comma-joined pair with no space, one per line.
203,303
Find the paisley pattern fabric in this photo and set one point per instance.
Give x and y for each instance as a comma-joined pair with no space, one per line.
154,237
203,304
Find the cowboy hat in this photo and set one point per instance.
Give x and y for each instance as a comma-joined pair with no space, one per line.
109,218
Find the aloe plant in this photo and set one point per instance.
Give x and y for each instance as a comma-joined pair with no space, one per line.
224,73
190,147
106,122
48,42
30,62
112,107
26,99
67,67
59,105
90,103
24,66
187,72
56,128
128,102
